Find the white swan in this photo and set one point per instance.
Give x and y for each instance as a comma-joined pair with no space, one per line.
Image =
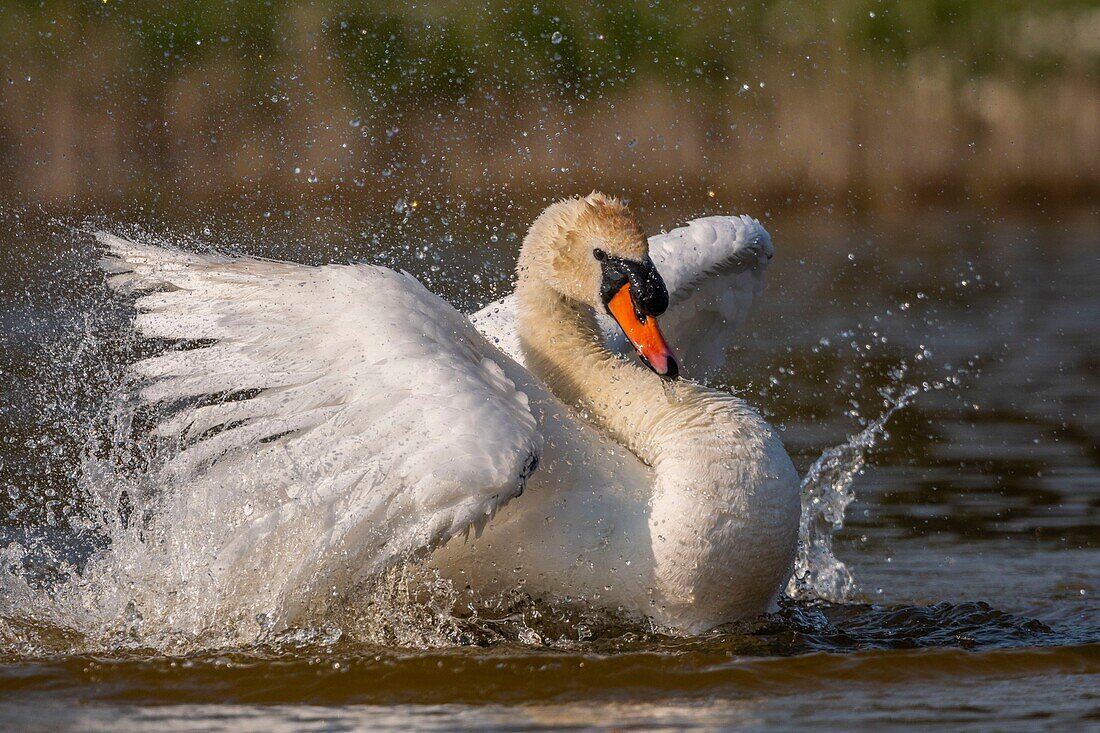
378,424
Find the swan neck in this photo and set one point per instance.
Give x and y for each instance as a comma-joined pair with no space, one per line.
563,346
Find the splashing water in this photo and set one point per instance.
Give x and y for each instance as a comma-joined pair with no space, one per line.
827,490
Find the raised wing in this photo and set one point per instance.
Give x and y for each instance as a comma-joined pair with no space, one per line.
331,421
713,268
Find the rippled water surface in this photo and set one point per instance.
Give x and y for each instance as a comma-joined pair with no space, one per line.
971,541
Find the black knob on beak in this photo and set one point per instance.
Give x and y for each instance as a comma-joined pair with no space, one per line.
646,286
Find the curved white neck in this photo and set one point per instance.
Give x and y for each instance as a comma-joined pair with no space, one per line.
563,346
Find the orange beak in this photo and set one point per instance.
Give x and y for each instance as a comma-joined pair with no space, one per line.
643,334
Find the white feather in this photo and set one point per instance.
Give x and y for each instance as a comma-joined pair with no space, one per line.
382,425
714,269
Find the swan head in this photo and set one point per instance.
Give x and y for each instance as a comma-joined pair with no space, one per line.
591,250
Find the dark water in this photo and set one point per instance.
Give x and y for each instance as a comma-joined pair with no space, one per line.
973,538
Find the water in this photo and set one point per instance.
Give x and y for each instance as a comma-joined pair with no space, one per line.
936,381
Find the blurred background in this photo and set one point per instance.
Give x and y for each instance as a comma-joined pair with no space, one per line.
929,169
865,105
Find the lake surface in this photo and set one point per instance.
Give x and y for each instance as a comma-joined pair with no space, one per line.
973,539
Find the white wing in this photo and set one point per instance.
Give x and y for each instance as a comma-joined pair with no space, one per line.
713,268
376,422
499,322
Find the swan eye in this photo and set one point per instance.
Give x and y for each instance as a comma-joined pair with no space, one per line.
599,254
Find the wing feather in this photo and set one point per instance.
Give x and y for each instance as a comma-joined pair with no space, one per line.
714,270
378,422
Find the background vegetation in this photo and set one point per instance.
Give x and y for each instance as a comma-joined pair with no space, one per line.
858,103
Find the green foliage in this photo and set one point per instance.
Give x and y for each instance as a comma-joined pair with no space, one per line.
401,48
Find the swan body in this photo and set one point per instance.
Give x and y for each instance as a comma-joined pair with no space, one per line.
532,452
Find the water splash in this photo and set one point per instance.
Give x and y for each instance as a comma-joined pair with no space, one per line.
827,490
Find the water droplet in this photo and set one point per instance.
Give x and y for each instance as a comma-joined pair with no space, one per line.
356,122
556,37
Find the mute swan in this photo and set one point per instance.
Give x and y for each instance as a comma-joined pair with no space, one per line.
378,424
